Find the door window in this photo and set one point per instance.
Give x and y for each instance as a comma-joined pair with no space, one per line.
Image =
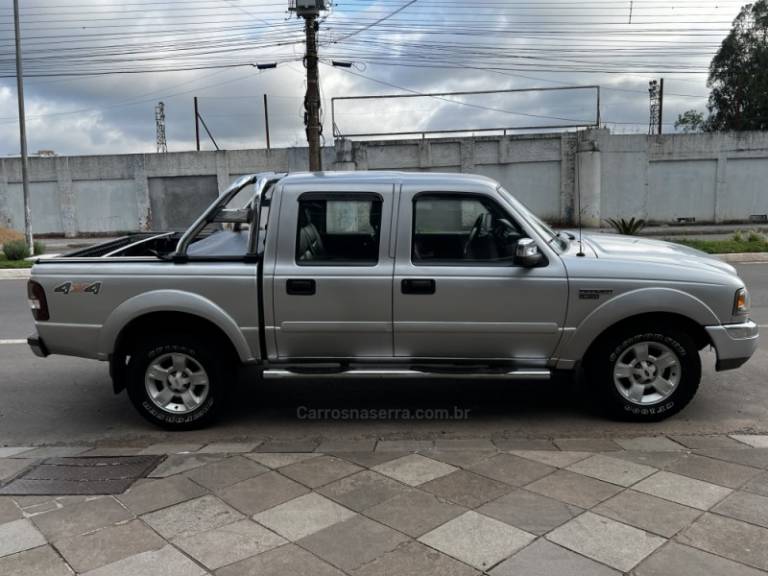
338,230
461,230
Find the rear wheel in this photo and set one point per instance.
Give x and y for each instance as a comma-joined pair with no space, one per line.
645,374
176,382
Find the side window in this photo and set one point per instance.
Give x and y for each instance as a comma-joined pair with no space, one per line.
342,230
456,230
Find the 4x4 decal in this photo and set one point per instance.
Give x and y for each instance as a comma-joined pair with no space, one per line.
78,288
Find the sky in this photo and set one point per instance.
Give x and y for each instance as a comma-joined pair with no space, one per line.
95,70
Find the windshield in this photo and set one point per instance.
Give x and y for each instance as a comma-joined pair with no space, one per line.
552,237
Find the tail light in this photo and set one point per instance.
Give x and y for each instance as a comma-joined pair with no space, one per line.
37,301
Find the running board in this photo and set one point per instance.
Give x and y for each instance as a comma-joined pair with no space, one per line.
533,374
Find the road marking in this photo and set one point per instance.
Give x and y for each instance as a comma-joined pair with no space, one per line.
18,341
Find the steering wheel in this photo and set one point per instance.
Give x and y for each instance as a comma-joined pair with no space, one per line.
473,233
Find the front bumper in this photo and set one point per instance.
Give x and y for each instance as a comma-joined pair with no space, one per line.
734,343
38,346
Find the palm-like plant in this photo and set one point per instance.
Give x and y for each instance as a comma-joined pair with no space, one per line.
629,227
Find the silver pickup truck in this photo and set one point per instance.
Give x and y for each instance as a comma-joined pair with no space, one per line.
374,274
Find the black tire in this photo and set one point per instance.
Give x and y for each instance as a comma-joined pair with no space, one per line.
200,354
601,364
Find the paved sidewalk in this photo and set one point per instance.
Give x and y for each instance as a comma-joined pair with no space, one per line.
578,506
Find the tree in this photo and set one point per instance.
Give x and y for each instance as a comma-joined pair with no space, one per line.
738,74
690,121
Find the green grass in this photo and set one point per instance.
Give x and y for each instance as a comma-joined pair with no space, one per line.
5,263
728,246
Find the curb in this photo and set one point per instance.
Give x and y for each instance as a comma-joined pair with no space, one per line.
15,274
741,257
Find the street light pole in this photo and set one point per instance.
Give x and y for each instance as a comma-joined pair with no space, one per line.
23,131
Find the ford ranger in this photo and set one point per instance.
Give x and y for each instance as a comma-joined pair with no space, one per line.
375,274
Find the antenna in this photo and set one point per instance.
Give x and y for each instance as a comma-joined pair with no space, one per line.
162,145
580,253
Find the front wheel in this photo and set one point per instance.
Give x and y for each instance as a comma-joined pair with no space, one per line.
645,374
175,381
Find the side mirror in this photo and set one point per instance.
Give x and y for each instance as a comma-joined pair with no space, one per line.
527,254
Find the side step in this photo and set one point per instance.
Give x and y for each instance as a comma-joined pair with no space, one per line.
527,374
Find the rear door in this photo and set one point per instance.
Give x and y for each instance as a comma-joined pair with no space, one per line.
457,291
332,287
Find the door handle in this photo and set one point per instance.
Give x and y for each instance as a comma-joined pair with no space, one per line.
301,287
418,286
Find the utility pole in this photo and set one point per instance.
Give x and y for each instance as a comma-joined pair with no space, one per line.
197,126
23,132
310,10
661,105
162,144
266,120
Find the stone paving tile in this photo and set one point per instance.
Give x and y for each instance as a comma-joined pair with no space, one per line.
512,469
151,495
531,512
319,471
164,562
477,540
288,560
56,452
81,518
613,470
725,474
730,538
191,517
678,560
229,544
171,448
303,516
754,440
180,463
278,460
415,512
649,444
460,458
755,457
261,492
464,445
414,469
404,445
226,472
10,451
758,485
554,458
544,558
605,540
363,490
9,511
648,512
512,444
18,536
683,490
750,508
108,545
228,447
112,451
704,442
352,543
655,459
344,445
586,444
574,488
414,559
12,467
288,446
369,459
41,561
466,488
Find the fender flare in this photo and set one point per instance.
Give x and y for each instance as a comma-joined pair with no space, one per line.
654,300
171,301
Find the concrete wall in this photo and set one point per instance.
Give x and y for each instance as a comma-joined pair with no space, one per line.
709,177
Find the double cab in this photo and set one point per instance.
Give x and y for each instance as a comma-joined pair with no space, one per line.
375,274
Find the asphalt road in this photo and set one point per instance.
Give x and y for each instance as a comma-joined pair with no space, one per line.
69,400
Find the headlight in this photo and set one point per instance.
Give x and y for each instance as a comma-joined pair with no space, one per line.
741,303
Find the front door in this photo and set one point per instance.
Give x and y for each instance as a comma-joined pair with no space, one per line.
332,286
457,291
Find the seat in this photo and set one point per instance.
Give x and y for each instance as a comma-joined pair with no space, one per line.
310,241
